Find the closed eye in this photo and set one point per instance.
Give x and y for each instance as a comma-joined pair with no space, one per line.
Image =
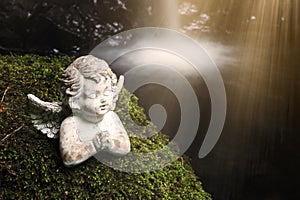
91,96
107,92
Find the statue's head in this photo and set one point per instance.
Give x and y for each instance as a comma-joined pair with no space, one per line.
90,87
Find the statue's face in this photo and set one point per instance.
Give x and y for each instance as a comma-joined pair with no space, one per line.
95,100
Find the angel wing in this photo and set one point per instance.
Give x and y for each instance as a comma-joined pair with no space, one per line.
46,116
117,91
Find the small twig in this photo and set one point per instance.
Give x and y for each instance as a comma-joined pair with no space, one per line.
182,160
5,91
166,186
27,83
8,135
8,168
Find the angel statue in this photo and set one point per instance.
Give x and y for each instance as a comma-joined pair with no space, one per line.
84,121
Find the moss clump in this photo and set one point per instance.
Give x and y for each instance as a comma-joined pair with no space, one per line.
30,163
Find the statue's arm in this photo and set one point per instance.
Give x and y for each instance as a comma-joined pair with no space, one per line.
73,150
114,137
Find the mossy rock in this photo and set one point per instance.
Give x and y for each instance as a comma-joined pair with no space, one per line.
30,163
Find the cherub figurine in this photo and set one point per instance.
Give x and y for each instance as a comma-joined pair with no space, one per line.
90,91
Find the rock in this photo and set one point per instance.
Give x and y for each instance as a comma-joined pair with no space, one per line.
58,27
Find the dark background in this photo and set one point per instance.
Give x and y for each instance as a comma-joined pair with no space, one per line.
255,44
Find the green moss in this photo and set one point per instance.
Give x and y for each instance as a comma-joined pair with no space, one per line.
30,163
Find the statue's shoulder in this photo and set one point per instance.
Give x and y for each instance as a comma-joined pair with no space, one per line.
112,117
69,120
112,123
68,125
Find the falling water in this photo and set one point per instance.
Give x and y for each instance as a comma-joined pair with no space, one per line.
167,14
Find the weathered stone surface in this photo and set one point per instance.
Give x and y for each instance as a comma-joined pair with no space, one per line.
91,90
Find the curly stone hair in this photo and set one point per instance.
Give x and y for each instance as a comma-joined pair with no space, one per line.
89,67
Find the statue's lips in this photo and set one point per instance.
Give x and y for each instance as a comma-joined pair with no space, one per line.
103,110
95,115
